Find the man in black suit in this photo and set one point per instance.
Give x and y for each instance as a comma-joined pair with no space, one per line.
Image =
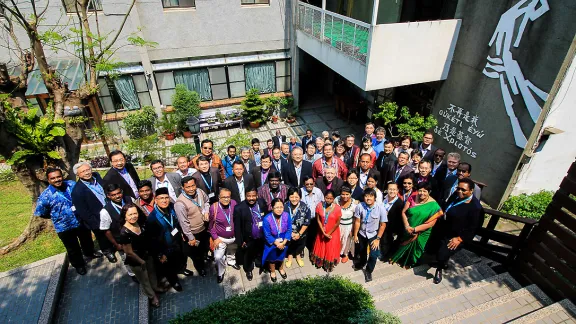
400,170
260,173
447,177
248,233
208,179
364,171
309,138
351,151
249,164
426,146
438,162
393,206
161,178
385,158
278,139
277,161
88,198
122,173
239,183
329,181
424,168
297,169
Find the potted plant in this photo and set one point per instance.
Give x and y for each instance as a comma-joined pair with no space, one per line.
168,125
292,115
253,108
220,116
211,120
186,103
273,107
183,149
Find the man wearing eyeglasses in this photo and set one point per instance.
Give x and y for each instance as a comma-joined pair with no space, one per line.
462,216
463,172
207,179
426,146
122,173
162,179
222,231
207,150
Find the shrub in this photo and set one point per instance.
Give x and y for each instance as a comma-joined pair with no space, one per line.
530,206
239,140
185,149
309,300
141,123
144,150
394,117
6,175
186,103
373,316
253,107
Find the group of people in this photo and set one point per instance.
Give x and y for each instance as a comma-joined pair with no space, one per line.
264,207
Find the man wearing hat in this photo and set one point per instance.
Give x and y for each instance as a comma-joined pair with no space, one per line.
167,239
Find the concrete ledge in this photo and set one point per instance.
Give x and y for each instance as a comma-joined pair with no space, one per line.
58,266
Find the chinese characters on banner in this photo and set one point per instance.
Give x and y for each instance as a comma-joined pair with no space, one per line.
459,128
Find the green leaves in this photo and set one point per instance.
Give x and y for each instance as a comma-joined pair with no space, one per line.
530,206
37,136
141,123
405,123
186,103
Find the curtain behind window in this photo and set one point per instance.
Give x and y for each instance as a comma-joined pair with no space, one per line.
170,3
127,92
195,80
260,76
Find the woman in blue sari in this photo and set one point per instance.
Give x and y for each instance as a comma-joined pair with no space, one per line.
277,227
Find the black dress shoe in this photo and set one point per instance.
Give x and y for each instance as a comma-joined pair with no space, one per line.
438,276
111,257
81,270
203,273
235,267
249,275
134,279
368,276
284,276
220,279
187,273
177,286
273,279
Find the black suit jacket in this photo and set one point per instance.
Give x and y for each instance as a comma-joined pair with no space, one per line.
283,165
113,176
243,221
251,166
216,181
337,184
304,143
406,172
86,203
230,184
291,178
430,154
383,161
276,142
462,220
445,187
372,173
395,223
257,175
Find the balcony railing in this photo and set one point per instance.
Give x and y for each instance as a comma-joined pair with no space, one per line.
345,34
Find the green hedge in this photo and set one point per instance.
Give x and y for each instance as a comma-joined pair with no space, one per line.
530,206
310,300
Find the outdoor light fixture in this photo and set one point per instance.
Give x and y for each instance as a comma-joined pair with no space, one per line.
193,124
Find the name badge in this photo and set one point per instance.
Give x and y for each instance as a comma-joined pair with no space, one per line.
228,228
174,232
73,208
259,224
211,195
261,214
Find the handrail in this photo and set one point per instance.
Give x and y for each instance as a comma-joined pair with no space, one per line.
514,218
327,12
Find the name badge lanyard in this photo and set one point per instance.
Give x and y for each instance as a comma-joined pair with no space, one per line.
363,184
454,204
407,195
272,196
223,212
171,222
116,208
390,204
398,171
209,186
452,189
326,215
276,224
368,212
63,195
192,199
256,213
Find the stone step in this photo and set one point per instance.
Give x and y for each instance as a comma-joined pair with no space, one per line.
438,306
421,287
561,312
502,309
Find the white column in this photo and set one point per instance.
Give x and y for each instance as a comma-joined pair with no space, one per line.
375,12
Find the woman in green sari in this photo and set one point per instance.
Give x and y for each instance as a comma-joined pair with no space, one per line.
420,213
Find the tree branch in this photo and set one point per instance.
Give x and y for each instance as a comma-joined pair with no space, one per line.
118,33
81,38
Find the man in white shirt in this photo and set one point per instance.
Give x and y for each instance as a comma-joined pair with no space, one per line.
311,196
183,169
163,179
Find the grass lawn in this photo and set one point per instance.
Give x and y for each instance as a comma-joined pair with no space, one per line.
15,211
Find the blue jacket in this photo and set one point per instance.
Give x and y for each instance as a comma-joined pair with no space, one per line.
227,164
57,205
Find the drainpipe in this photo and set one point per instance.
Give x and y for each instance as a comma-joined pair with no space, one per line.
375,12
537,130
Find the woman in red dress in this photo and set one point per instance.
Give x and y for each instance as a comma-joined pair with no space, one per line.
326,253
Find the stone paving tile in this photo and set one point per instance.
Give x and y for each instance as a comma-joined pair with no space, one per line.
338,124
309,119
198,292
22,294
318,128
104,294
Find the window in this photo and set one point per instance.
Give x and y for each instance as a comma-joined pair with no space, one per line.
93,5
283,80
236,78
260,76
195,80
218,83
178,3
126,92
251,2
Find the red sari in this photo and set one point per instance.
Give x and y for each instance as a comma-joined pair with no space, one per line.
326,253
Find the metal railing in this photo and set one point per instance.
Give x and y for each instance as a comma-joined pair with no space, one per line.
345,34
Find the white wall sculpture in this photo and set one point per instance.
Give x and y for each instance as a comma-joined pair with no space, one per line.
504,67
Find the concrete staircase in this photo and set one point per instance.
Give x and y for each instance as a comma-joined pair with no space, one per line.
471,292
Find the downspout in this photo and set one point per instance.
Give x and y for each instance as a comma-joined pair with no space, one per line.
537,130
